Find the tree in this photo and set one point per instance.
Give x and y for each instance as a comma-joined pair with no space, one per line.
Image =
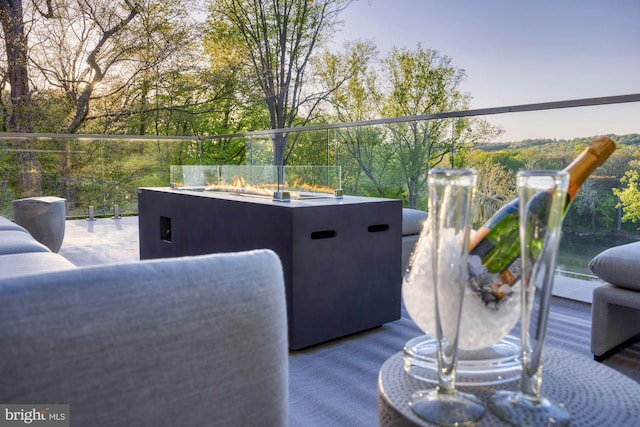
280,38
356,100
405,83
629,196
86,52
79,53
495,187
423,82
586,202
16,75
614,169
238,106
606,212
82,43
162,49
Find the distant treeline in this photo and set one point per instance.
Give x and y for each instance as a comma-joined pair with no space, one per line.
608,202
629,139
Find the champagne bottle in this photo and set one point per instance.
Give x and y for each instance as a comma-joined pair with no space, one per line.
494,250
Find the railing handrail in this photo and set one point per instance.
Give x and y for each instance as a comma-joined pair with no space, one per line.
583,102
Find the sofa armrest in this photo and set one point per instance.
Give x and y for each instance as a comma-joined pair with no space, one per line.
185,341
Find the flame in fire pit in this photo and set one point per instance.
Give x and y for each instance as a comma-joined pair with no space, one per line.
301,189
240,185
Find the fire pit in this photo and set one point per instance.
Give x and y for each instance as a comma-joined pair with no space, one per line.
340,255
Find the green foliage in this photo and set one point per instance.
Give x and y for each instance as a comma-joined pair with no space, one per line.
372,157
406,83
510,160
278,38
629,196
606,212
162,73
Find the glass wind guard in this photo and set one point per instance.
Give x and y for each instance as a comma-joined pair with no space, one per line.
286,181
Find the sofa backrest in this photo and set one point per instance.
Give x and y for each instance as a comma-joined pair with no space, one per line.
188,341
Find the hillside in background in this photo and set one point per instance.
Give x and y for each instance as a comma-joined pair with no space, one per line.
632,139
597,208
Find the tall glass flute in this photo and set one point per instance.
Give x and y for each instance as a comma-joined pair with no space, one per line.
450,197
542,197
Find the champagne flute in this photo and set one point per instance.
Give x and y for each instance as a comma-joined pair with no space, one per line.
450,197
542,196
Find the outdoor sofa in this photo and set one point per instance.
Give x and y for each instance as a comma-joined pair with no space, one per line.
186,341
615,311
413,220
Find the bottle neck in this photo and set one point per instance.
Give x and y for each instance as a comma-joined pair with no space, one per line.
580,169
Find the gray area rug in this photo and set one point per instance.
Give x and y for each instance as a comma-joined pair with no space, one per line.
335,384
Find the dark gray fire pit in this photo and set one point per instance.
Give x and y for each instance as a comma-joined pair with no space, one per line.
341,256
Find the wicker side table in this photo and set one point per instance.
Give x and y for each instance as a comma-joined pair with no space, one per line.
595,394
44,218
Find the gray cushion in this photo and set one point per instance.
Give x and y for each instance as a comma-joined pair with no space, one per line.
619,266
199,341
16,241
12,265
412,221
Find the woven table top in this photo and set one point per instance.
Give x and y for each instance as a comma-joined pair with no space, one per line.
594,394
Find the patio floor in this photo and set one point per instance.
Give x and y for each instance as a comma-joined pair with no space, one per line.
102,241
108,241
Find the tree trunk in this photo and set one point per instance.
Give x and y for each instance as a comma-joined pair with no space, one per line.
414,190
279,147
11,16
29,170
16,47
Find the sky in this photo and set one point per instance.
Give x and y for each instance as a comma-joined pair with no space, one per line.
518,52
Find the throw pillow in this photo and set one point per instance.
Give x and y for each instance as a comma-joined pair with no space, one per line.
619,266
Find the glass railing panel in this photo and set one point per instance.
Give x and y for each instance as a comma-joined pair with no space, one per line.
380,158
259,151
369,158
98,172
30,168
